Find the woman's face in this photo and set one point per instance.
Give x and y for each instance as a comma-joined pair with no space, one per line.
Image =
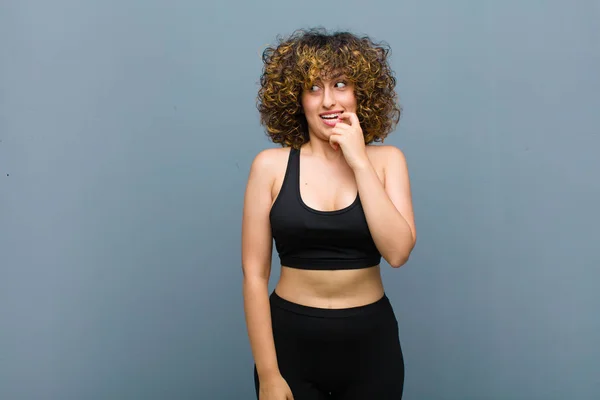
324,101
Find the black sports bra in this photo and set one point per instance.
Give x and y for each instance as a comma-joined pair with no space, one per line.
306,238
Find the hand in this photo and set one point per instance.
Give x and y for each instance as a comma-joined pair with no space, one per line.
275,388
348,135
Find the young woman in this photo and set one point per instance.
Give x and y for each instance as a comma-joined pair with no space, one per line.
335,204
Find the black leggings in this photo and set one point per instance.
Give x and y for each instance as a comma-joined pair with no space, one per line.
343,354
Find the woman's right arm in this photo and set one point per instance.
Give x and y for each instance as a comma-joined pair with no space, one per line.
256,265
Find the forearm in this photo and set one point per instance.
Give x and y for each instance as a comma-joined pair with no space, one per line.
258,322
390,230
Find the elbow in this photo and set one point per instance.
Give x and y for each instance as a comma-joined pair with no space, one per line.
397,262
399,258
255,280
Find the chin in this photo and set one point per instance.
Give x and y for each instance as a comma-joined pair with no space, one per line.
321,134
325,136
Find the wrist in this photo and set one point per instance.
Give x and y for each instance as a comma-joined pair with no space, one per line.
361,165
267,374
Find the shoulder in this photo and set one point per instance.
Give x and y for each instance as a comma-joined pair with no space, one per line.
269,158
386,156
385,150
268,162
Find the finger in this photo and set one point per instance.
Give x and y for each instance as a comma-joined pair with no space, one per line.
338,130
334,142
349,117
342,122
341,127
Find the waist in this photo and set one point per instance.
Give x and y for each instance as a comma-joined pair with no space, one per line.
331,288
328,263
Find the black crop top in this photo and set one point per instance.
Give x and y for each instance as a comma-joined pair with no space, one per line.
306,238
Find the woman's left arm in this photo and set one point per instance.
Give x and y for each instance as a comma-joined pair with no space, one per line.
388,205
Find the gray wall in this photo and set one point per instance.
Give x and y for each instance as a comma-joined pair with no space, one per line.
127,129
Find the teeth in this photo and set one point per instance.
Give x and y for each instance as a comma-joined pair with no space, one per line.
330,116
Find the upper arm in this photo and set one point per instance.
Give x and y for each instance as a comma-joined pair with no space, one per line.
397,185
256,229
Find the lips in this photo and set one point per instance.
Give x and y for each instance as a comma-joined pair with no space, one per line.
331,118
335,113
331,121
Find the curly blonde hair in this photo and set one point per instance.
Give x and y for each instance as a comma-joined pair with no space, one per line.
297,61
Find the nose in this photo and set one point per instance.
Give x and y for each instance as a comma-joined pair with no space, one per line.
328,98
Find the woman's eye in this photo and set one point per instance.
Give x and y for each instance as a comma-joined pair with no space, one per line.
341,83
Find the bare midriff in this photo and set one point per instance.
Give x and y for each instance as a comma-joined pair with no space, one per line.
331,289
